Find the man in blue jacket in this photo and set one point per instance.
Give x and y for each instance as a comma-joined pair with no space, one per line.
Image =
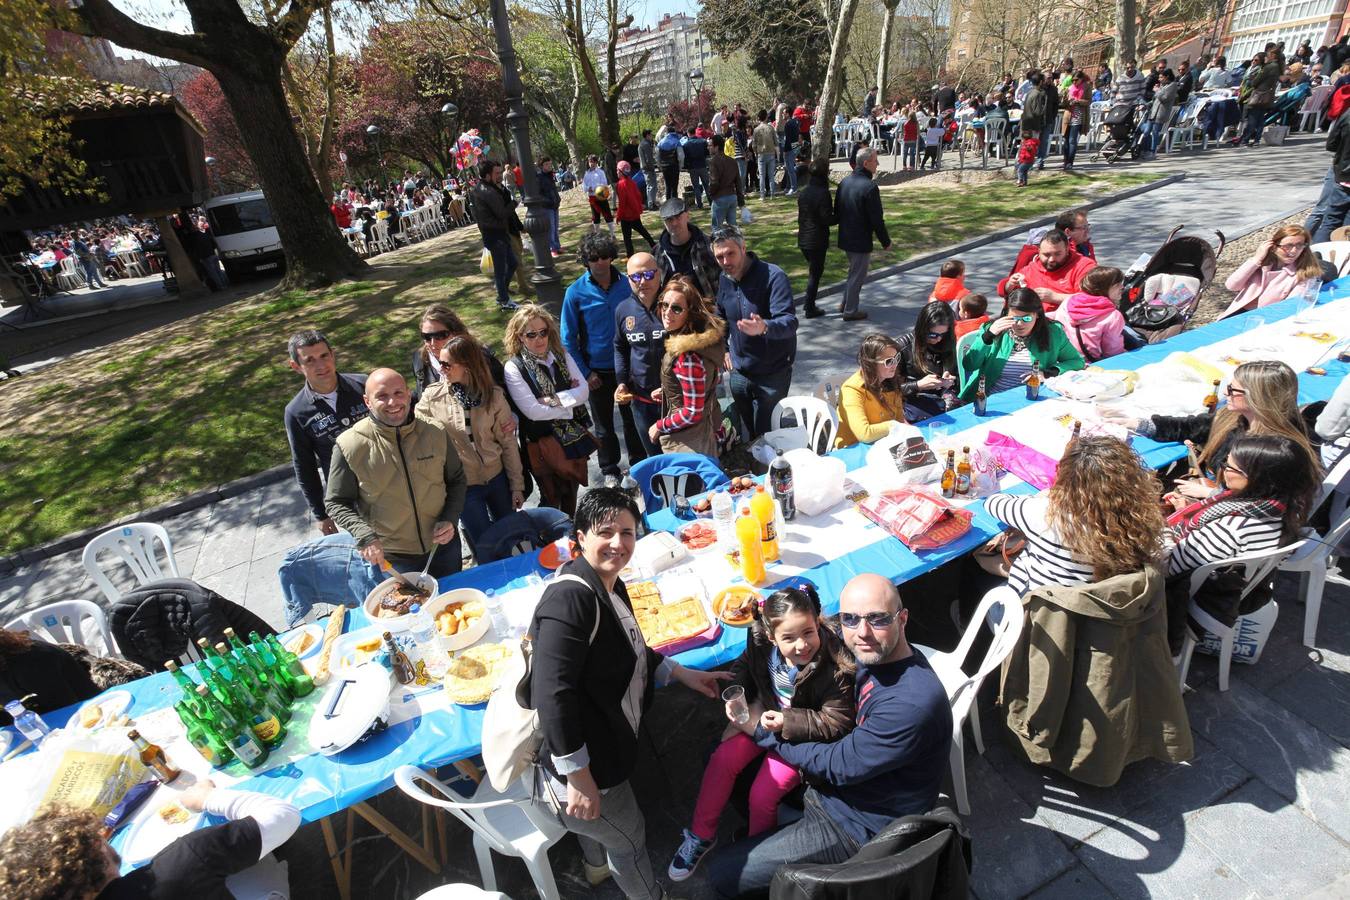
891,765
755,299
858,204
696,164
639,345
588,311
326,406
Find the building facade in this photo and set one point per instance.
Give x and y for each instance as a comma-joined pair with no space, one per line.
677,47
1254,23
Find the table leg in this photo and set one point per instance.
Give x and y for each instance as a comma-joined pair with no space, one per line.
469,770
340,870
440,834
389,830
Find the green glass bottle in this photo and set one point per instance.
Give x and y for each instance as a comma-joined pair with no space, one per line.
294,668
210,745
275,666
240,739
267,672
184,679
265,694
244,705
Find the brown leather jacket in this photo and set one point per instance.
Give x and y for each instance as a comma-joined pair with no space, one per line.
823,702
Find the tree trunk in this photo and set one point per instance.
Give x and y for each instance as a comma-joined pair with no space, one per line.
1127,11
829,95
884,57
323,170
316,254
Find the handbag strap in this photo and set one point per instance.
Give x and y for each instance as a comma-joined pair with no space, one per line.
581,581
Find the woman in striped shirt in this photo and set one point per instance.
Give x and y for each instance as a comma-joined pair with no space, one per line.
1100,518
1003,351
695,349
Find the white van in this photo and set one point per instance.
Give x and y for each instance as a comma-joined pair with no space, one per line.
245,237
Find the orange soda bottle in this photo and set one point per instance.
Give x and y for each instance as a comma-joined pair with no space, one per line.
751,546
762,507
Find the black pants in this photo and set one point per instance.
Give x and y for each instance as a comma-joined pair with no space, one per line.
672,176
602,411
815,268
628,228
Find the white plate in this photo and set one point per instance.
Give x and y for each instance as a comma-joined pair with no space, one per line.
315,629
112,704
150,834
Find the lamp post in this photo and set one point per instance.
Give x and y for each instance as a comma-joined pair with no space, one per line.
211,174
546,280
373,131
450,110
695,77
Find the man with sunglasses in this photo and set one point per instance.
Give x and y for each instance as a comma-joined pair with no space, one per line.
639,343
326,406
891,764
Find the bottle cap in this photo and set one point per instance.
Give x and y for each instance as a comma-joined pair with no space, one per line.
14,708
415,609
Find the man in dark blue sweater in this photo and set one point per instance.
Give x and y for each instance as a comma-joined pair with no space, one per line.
326,406
639,345
755,299
890,765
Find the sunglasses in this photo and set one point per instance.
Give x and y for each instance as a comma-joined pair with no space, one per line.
644,275
1234,392
888,361
1234,469
535,335
874,619
430,336
1292,247
934,335
674,309
1025,320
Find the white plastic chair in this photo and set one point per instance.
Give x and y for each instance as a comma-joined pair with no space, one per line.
828,389
1256,568
134,545
1315,106
1002,607
508,823
68,275
1335,252
63,623
814,418
461,892
1314,561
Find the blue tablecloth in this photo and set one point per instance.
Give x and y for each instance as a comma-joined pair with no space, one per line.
321,785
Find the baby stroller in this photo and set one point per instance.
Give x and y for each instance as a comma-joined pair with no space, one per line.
1160,299
1118,135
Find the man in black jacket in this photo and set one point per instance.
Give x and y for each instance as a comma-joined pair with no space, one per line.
858,207
1333,206
495,218
815,216
326,406
684,250
548,187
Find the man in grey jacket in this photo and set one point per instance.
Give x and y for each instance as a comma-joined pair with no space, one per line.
858,205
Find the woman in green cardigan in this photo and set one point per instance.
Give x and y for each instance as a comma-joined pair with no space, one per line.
1002,350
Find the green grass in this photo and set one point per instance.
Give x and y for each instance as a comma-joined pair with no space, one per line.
197,403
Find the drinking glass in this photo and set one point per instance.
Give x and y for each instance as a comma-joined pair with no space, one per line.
1250,339
1307,294
737,709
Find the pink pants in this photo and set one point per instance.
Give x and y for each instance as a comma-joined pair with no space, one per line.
774,780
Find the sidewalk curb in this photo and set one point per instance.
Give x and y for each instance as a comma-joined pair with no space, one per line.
75,540
932,256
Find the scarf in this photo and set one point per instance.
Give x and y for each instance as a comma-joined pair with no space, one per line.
1203,512
573,434
463,397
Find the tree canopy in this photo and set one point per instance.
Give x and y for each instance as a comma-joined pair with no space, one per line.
787,45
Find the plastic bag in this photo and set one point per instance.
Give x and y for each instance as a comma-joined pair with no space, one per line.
87,770
906,452
485,262
1032,466
818,481
746,215
1093,384
917,516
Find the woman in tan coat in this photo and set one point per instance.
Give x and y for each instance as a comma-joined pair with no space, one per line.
474,412
695,349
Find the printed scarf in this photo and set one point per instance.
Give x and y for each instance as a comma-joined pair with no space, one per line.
1203,512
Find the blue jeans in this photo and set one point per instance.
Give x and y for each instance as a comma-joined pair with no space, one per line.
790,164
326,570
1148,136
698,179
1256,123
741,164
910,156
653,187
1044,149
1023,169
724,210
503,263
1331,211
645,415
747,867
554,242
1071,145
767,167
483,505
755,397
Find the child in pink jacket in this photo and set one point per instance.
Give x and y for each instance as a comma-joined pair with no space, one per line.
1090,318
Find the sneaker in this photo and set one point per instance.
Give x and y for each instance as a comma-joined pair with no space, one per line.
596,875
688,856
814,312
507,305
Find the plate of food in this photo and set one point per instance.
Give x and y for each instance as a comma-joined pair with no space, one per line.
358,648
740,485
304,641
702,507
474,674
735,605
390,602
461,617
161,821
697,535
105,709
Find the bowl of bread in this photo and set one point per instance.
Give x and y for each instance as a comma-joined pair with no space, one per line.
460,617
391,601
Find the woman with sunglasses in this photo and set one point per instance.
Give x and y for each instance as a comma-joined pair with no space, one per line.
1261,398
439,323
927,369
695,350
1004,350
871,400
474,412
547,387
1279,268
1269,482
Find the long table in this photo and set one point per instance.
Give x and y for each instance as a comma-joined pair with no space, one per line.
321,785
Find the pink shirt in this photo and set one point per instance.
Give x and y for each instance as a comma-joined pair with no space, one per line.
1258,285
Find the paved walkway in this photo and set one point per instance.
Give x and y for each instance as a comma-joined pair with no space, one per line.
1263,810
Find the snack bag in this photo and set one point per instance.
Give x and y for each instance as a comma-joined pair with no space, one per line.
919,518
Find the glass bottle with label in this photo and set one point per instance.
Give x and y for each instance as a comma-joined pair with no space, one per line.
237,735
963,473
153,757
949,475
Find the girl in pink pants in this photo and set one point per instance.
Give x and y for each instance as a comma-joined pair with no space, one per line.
798,681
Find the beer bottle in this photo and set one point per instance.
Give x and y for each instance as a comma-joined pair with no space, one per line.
153,757
981,398
266,695
237,736
209,744
963,473
247,655
301,682
1212,401
949,475
398,661
1034,381
1077,427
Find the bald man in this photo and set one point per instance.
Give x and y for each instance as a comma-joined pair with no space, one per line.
639,343
891,765
396,484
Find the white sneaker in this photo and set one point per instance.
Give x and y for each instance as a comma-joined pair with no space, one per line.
689,855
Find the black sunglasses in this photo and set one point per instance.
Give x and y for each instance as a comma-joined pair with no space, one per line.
430,336
875,619
535,335
674,309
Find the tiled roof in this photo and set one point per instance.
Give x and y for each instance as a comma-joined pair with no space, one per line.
75,96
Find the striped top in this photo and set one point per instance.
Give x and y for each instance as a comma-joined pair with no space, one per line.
783,675
1222,540
1045,561
1017,368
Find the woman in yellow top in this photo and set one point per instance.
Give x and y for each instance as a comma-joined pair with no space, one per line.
870,400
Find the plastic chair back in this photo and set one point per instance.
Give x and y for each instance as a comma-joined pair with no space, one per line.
134,545
813,416
483,814
1255,567
63,623
828,390
644,472
1002,608
1334,252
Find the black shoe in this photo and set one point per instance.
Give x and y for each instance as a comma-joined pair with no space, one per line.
814,312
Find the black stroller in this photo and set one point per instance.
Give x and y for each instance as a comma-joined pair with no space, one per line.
1160,299
1118,133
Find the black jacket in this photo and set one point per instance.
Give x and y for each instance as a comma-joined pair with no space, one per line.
1338,142
858,207
312,430
57,678
491,209
815,214
909,372
548,187
156,622
693,258
576,685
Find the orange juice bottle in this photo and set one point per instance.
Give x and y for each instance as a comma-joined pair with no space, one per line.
752,553
761,506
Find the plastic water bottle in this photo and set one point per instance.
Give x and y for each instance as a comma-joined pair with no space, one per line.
497,616
420,627
427,644
724,519
630,487
29,723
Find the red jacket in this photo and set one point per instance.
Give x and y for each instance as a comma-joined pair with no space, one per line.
1028,253
341,215
1065,279
630,200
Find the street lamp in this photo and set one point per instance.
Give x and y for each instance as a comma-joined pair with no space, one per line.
545,279
373,131
211,174
695,77
449,109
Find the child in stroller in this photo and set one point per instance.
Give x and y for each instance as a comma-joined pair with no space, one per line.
1119,133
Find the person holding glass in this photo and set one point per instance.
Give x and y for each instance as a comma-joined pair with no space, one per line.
1281,267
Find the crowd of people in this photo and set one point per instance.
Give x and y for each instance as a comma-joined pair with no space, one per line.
94,248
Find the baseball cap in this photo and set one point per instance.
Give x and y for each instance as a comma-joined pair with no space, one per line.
672,208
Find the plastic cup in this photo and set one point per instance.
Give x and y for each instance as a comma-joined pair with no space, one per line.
737,709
